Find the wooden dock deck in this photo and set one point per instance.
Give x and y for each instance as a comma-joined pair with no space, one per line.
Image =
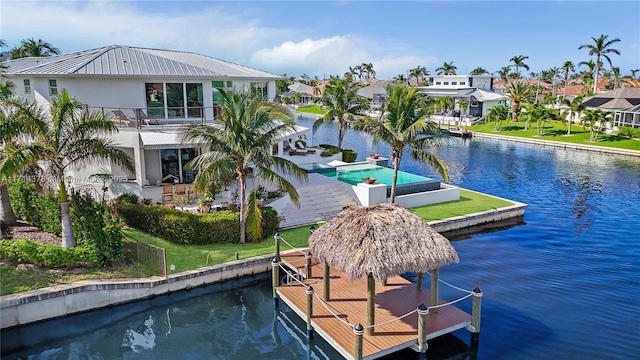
348,300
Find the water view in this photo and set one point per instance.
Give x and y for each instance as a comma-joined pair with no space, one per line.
559,286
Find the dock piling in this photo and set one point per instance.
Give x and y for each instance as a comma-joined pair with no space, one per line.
371,303
358,331
309,267
275,278
309,311
423,311
475,318
434,289
276,237
419,277
325,282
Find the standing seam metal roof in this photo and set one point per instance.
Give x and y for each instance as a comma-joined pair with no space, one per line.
124,60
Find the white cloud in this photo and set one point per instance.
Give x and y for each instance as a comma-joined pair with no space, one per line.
333,56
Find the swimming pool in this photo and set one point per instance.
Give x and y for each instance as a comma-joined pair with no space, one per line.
407,183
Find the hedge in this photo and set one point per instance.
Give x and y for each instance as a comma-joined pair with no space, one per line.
48,255
629,132
188,228
347,154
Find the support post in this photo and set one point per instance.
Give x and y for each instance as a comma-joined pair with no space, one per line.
276,237
434,289
423,311
326,282
309,311
419,277
308,257
358,331
275,278
371,303
475,318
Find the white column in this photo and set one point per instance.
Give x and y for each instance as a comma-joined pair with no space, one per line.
138,158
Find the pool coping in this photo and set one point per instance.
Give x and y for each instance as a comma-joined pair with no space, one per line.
65,299
558,144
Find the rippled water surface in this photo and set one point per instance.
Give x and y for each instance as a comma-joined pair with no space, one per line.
563,285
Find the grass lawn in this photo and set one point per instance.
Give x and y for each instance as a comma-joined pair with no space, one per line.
188,257
18,278
556,131
313,109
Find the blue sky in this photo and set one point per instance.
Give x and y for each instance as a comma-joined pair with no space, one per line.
323,37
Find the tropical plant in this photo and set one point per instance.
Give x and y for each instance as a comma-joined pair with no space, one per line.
343,104
633,74
614,77
447,69
503,73
34,48
444,104
518,92
568,67
249,129
601,47
63,138
368,70
400,79
575,109
478,71
497,114
404,117
463,105
518,62
418,72
596,120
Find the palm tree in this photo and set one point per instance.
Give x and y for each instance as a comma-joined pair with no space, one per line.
601,48
8,133
368,69
595,120
64,138
343,104
575,108
404,116
633,74
615,77
518,62
463,105
399,79
568,67
418,72
497,114
447,69
249,129
444,103
35,48
518,93
478,71
503,73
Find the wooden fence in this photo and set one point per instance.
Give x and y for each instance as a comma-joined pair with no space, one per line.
149,255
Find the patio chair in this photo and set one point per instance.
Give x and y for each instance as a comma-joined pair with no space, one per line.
180,189
167,191
147,120
120,118
302,148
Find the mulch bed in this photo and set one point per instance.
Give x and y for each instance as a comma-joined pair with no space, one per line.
24,230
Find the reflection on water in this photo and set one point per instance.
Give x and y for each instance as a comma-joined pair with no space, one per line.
559,285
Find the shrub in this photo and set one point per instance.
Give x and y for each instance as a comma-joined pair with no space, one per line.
39,210
28,251
188,228
127,198
349,155
326,153
629,132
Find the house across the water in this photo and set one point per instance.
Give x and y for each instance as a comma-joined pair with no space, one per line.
152,94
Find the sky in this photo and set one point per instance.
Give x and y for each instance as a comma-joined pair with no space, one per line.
322,38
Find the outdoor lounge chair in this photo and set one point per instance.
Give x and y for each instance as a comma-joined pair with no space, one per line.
300,147
121,118
147,120
293,151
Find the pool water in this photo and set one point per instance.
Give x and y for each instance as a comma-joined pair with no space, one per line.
353,174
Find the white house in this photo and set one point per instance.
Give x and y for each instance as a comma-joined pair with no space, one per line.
153,94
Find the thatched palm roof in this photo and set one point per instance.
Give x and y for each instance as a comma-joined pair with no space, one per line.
384,240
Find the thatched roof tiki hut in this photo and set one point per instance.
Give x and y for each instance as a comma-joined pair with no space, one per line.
380,241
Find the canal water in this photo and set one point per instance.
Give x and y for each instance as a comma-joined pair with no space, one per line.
561,285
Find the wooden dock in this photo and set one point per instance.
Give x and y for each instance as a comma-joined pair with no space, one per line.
349,302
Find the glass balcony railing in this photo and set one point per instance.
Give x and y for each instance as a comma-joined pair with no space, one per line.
158,116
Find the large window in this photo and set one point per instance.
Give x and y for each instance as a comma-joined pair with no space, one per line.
217,97
174,161
175,101
186,155
53,87
27,86
155,100
259,89
194,101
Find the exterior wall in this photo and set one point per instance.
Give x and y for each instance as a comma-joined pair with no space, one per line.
152,165
486,105
446,193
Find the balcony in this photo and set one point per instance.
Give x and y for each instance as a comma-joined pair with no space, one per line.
158,117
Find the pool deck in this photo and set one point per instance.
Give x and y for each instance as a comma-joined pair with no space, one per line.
348,300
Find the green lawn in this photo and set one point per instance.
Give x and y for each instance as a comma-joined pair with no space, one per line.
188,257
313,109
556,131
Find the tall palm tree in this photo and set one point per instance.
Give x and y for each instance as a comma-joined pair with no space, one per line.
503,73
575,109
404,116
418,72
368,69
63,138
463,105
601,47
447,69
518,62
250,128
400,79
343,104
595,120
615,77
8,132
518,93
568,67
633,74
35,48
478,71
